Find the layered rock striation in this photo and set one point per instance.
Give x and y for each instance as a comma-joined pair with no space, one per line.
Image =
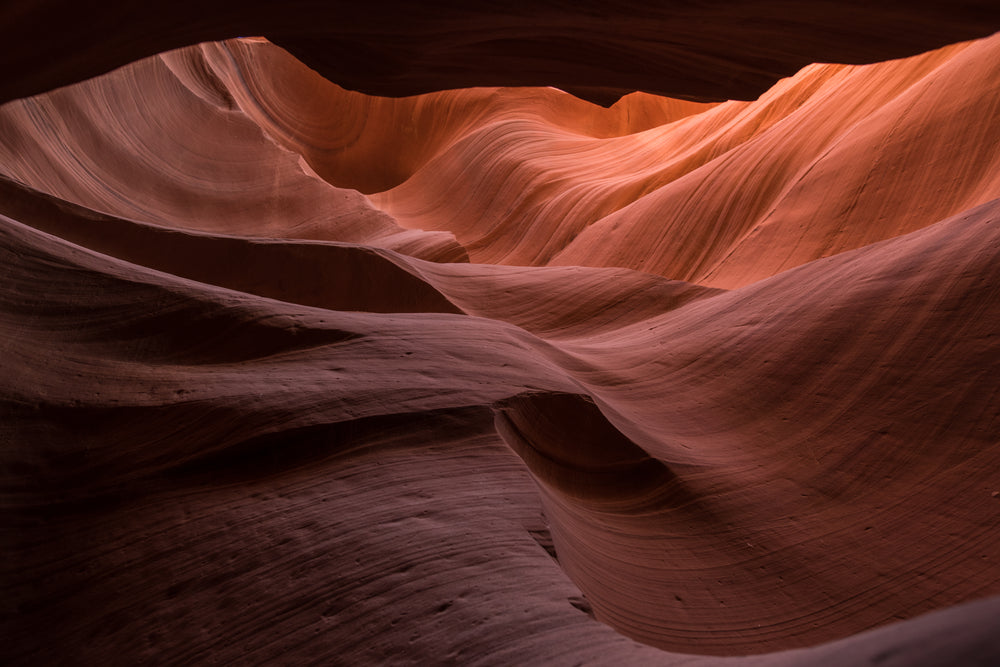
295,374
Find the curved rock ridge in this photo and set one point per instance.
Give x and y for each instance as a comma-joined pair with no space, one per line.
527,177
497,376
251,394
885,149
786,408
141,144
338,131
345,276
367,278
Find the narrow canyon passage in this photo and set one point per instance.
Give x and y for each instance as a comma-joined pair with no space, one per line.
313,358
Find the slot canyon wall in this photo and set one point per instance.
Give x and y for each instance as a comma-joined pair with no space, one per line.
451,334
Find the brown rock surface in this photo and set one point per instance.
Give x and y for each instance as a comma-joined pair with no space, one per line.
709,49
294,375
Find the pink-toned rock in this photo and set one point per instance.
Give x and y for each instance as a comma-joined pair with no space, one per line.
498,376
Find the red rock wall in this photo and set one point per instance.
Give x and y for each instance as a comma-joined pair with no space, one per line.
294,374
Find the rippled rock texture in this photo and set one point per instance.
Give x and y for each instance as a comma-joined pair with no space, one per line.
293,374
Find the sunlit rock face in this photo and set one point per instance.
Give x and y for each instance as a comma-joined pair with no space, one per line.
293,374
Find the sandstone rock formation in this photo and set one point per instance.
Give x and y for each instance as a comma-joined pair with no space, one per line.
294,374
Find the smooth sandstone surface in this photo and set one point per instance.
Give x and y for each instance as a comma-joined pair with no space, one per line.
292,374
